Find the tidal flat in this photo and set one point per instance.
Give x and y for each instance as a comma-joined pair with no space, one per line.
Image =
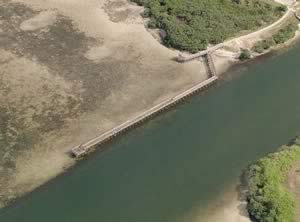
69,71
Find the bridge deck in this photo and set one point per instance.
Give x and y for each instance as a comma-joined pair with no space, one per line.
210,65
182,58
82,149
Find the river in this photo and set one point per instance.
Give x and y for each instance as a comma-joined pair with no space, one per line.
181,159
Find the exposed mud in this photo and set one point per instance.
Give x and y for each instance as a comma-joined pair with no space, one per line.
70,70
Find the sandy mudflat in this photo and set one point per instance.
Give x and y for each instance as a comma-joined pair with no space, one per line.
230,206
232,210
70,70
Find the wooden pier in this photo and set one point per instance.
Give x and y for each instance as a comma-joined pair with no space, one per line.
83,149
211,69
187,58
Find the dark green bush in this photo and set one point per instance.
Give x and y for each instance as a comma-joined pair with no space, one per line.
280,37
152,23
258,47
193,24
245,54
268,199
263,45
282,8
285,33
146,13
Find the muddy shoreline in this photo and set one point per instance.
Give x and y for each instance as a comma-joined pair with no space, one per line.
87,79
95,77
234,71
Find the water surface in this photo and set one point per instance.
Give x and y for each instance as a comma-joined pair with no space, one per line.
182,159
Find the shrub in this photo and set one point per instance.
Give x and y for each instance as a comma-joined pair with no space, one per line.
282,8
146,13
245,54
268,199
268,43
280,37
192,25
263,45
152,23
285,33
258,47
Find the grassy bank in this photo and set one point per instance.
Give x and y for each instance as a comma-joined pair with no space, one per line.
268,198
284,34
192,25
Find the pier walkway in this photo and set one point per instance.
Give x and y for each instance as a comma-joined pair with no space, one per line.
83,149
211,69
187,58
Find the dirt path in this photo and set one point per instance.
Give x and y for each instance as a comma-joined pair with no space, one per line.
248,40
256,35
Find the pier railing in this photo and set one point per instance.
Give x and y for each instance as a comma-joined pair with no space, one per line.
82,149
186,58
210,65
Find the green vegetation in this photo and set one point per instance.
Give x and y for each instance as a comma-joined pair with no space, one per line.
263,45
245,54
193,24
280,37
268,199
286,33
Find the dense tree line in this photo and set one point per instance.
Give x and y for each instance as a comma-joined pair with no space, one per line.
193,24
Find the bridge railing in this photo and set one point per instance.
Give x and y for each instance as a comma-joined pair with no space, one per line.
82,149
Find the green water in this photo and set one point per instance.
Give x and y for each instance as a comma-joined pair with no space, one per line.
182,159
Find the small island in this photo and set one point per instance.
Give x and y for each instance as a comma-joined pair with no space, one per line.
269,196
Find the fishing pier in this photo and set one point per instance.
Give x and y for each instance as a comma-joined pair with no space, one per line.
85,148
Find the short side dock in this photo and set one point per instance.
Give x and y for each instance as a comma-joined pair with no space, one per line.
187,58
82,149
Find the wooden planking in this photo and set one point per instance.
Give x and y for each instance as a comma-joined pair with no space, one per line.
82,149
182,58
210,65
